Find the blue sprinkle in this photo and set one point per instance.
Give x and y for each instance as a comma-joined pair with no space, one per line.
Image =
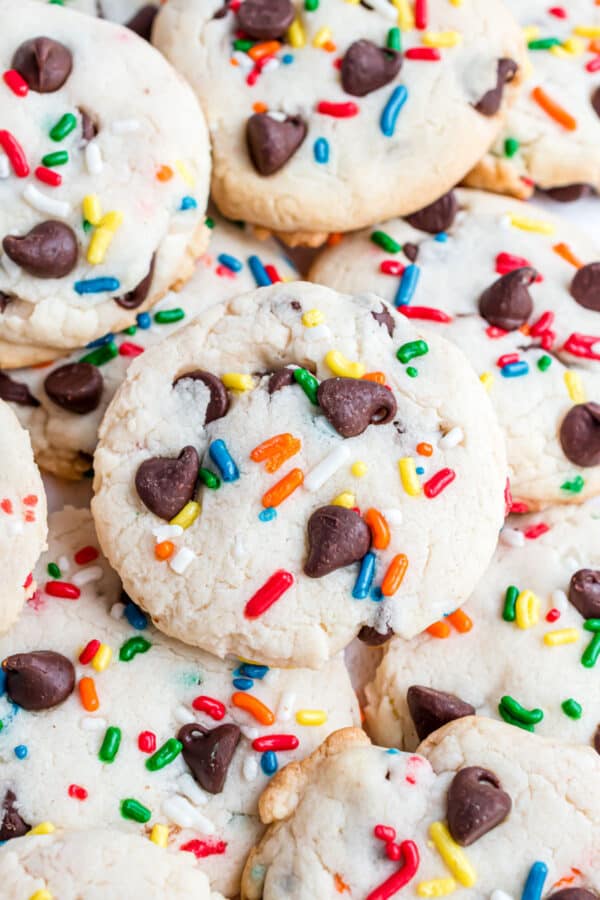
2,682
376,595
97,285
420,470
408,285
513,370
392,751
243,684
223,460
287,59
268,762
441,238
321,150
100,342
363,583
144,320
535,882
250,670
259,272
230,262
188,203
135,617
268,514
21,751
391,110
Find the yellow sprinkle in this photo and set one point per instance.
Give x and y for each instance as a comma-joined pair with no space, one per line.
295,35
99,244
437,887
574,46
42,828
561,636
456,2
574,386
442,38
346,499
527,610
527,224
311,717
159,835
187,516
312,318
587,31
112,220
487,380
453,855
409,477
42,894
102,658
339,365
560,52
185,173
92,210
236,381
406,19
359,468
322,36
531,32
353,2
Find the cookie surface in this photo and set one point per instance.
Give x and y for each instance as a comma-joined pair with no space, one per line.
327,129
455,276
131,163
136,15
277,564
340,819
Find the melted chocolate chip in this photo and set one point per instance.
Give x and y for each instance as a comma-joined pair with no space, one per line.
411,251
208,753
595,101
16,391
584,593
49,250
280,379
491,101
265,20
38,680
137,296
43,63
585,287
507,303
430,709
218,405
580,434
367,67
165,484
574,894
436,217
12,825
351,404
373,638
385,318
272,143
76,387
568,193
476,804
596,741
143,20
337,537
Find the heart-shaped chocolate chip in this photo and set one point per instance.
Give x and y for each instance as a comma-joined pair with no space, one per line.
12,824
265,20
568,193
436,217
271,142
585,287
76,387
208,753
142,21
430,709
38,680
367,67
280,379
337,537
507,303
476,804
218,404
136,297
352,404
574,894
491,101
385,318
580,435
165,484
48,251
595,101
43,63
373,638
584,593
16,391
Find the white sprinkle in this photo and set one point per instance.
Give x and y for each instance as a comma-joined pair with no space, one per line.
275,114
559,601
182,560
63,564
385,8
243,60
317,476
117,610
512,537
125,126
164,532
93,158
11,268
184,715
188,787
452,438
88,723
181,811
318,333
393,516
85,576
500,895
249,732
286,705
250,768
270,65
46,204
4,166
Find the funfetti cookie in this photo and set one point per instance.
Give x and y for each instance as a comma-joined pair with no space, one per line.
550,138
482,811
132,13
22,516
519,292
330,116
62,406
156,739
293,466
103,183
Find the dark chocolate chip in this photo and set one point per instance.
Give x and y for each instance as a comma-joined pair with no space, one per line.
352,404
4,301
271,142
574,894
367,67
165,484
337,537
584,593
143,20
16,391
280,379
218,405
265,20
43,63
595,101
411,251
491,101
48,251
38,680
476,804
373,638
580,434
430,709
436,217
507,303
137,296
597,739
208,753
585,287
89,127
76,387
568,193
12,825
385,318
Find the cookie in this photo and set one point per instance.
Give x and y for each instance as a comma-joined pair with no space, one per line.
152,733
135,15
484,810
519,291
307,505
62,406
22,516
550,138
327,117
103,181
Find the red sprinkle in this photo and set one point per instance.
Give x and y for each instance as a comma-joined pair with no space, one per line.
127,348
77,792
536,531
273,274
593,65
16,82
62,589
89,652
391,267
6,506
48,176
337,110
275,742
268,594
427,54
147,741
421,14
559,12
31,500
224,272
494,332
428,313
201,849
410,855
508,262
28,581
553,615
85,555
15,153
582,345
519,508
545,321
438,483
384,833
213,708
547,340
393,851
507,359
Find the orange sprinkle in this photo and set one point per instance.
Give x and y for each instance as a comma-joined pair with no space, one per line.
165,173
329,46
164,550
379,528
424,449
234,62
282,490
525,329
565,251
259,107
568,879
334,239
377,377
276,450
340,884
395,574
461,621
265,48
88,695
553,109
253,706
594,45
29,515
30,500
439,630
42,365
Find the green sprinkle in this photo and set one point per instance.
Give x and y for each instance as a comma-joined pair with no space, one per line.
110,744
131,330
209,479
244,45
511,147
59,158
209,222
166,316
519,713
544,363
63,127
169,751
386,242
311,5
133,646
512,721
87,226
412,372
53,570
591,652
572,708
133,809
592,625
575,486
101,355
509,613
412,349
394,39
543,44
308,383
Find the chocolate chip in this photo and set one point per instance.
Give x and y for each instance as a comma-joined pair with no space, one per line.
89,127
584,593
507,303
411,251
165,484
568,193
137,296
208,753
580,434
385,318
12,825
43,63
16,391
218,405
374,638
143,20
38,680
48,251
4,301
265,20
337,537
351,404
595,101
436,217
585,287
476,804
280,379
597,740
76,387
367,67
271,142
574,894
491,101
430,709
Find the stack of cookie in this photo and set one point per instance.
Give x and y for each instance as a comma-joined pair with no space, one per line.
375,485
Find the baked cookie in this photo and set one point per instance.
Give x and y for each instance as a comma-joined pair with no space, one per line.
62,406
518,291
483,811
551,135
132,13
309,500
328,116
103,181
22,516
151,732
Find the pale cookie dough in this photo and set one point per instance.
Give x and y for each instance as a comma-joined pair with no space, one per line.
22,516
137,172
512,814
556,149
276,563
151,688
537,372
136,15
302,146
64,433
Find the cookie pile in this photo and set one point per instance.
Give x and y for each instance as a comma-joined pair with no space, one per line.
324,621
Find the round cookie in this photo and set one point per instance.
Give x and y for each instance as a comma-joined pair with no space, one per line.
455,276
81,257
551,134
132,13
318,126
485,810
22,516
156,692
340,503
64,425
